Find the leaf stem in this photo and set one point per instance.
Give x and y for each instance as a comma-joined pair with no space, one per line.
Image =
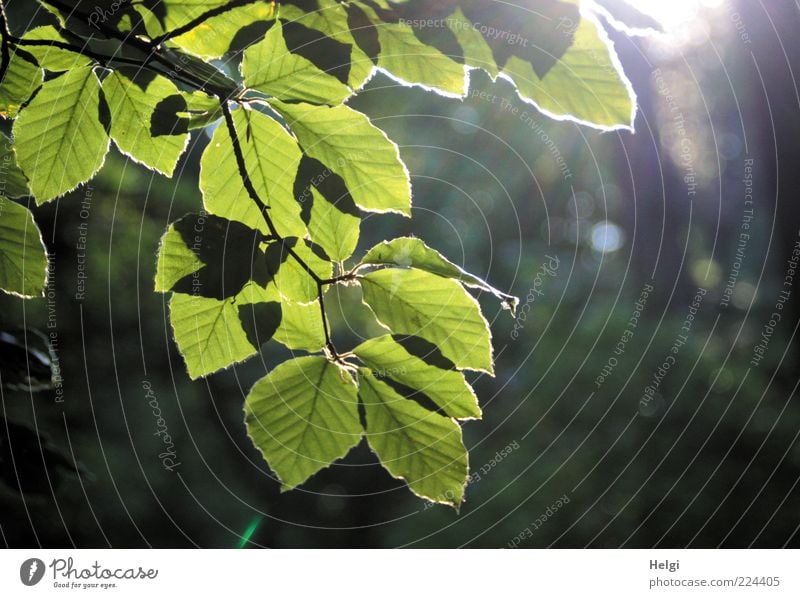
350,276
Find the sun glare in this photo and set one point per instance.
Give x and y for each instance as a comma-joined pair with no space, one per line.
673,13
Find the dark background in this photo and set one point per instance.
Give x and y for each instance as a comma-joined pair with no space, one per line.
712,461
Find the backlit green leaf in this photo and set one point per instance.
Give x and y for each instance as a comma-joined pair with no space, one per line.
201,109
303,416
292,280
586,84
23,260
439,310
423,448
176,261
13,182
50,57
448,389
332,229
301,326
20,80
59,139
476,51
215,334
206,255
410,252
132,101
206,74
183,112
84,18
213,37
351,146
168,15
333,220
537,34
406,58
270,67
272,158
331,20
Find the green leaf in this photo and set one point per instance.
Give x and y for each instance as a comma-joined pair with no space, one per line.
301,326
168,15
23,258
423,448
20,79
448,389
201,109
410,252
83,18
183,112
333,220
214,334
559,60
13,182
477,53
59,139
206,255
50,57
331,228
587,84
303,416
291,279
405,57
439,310
132,99
351,146
272,158
538,36
176,261
212,257
330,19
269,66
214,36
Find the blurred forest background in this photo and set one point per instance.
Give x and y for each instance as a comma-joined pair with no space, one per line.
575,222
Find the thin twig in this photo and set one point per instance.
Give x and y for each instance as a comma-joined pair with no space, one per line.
4,32
253,193
146,47
199,20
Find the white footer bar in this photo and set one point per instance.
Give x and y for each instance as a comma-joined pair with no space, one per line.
400,574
